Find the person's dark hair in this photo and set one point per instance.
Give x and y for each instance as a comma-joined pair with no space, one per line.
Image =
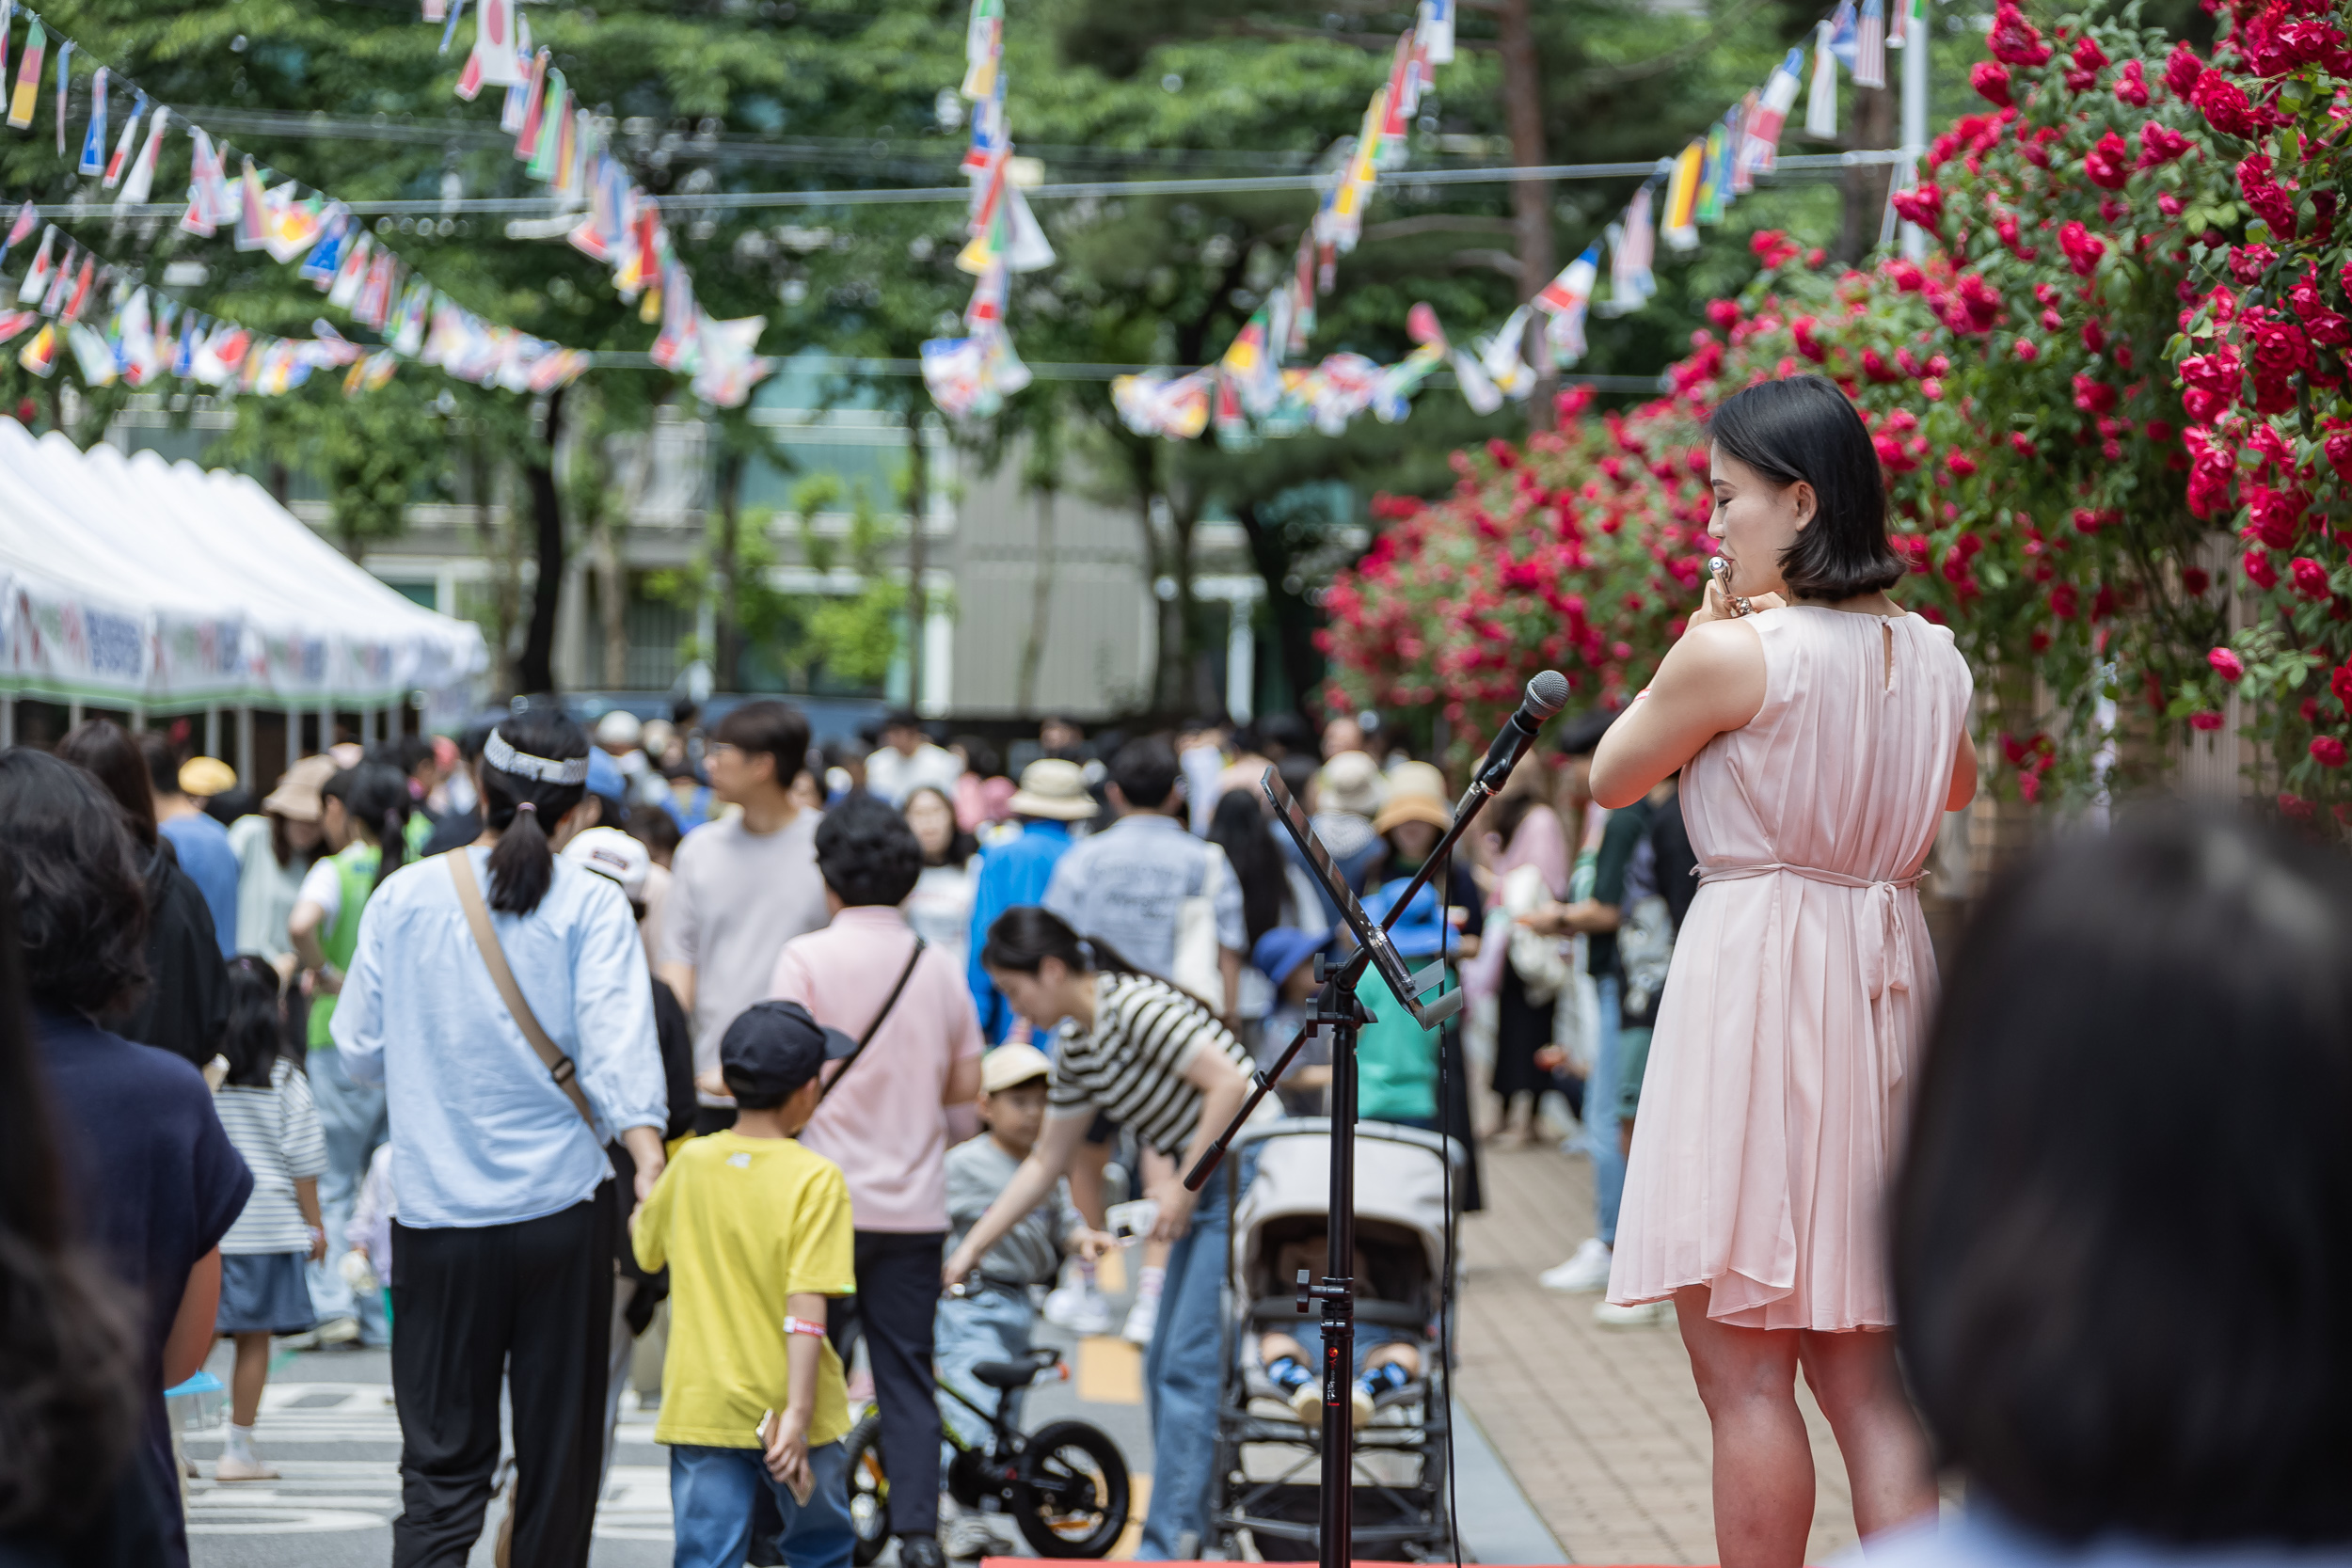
2067,1364
73,881
522,810
1146,772
1298,770
162,763
229,805
375,797
902,719
1280,733
256,1035
984,760
1239,827
656,829
413,752
1023,937
866,853
776,728
469,741
104,749
961,845
746,1098
1803,428
1581,738
68,1363
1512,810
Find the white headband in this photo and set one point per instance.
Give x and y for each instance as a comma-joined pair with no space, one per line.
502,756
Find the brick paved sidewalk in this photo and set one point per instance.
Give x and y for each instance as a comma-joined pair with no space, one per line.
1601,1428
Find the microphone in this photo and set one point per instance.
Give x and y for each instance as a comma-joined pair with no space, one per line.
1546,695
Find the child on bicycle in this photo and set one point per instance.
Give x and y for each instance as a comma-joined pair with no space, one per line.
756,1232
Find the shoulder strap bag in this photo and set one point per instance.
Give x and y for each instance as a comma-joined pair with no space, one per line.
874,1028
486,938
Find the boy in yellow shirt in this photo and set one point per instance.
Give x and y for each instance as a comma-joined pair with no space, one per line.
756,1232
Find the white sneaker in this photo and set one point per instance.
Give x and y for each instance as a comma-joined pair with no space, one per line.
1650,1314
969,1536
1079,1308
1587,1269
1141,1319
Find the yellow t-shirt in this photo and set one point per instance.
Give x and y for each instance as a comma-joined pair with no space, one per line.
743,1222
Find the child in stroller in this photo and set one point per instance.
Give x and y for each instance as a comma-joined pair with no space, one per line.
1385,1362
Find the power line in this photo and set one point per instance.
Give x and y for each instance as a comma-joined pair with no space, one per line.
711,201
840,364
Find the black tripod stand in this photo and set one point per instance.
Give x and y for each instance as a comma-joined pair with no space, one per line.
1337,1010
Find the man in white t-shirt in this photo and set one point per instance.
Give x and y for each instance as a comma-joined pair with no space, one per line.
908,760
741,887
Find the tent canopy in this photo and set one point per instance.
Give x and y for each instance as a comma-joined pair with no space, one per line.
132,579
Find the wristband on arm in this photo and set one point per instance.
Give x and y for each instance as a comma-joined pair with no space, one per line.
801,1326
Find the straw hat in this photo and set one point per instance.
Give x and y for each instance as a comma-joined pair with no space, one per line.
1416,794
1051,787
296,797
205,777
1351,782
1012,1065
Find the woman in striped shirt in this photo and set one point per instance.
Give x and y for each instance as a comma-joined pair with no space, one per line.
1144,1053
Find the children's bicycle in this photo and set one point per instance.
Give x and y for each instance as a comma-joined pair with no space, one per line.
1064,1485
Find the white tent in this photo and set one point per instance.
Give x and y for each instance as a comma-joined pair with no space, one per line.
137,582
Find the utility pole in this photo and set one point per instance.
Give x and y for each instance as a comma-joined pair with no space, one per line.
1531,199
1865,183
1914,111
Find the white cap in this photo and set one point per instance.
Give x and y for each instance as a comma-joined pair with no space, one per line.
610,852
618,728
1014,1064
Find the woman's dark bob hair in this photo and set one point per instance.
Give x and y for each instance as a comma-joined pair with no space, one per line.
1803,428
74,877
2122,1240
866,853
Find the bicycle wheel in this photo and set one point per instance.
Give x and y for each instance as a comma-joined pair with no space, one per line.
1070,1500
869,1490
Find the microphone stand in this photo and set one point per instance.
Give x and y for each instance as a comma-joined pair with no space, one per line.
1338,1010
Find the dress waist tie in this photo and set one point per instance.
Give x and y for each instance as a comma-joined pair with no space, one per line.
1886,961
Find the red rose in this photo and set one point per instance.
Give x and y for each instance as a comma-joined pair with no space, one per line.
1990,80
2248,262
2258,567
2181,70
2158,145
2195,579
2107,165
2015,39
2205,721
2224,106
2272,203
2227,665
2311,578
2327,751
1923,204
2340,682
2132,85
2083,248
2064,603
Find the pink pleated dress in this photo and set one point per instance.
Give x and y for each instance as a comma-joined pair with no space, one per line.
1779,1073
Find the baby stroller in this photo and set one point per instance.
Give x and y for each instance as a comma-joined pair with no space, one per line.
1267,1462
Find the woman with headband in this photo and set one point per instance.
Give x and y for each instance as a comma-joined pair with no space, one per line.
500,993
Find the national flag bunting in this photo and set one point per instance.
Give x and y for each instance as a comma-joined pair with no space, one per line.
93,159
27,95
1869,62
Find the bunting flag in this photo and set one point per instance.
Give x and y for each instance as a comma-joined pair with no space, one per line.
27,95
1742,146
252,218
7,14
77,297
326,257
351,273
92,354
1254,373
1772,112
27,219
1844,39
1436,30
139,184
64,89
204,173
1715,183
60,282
1820,108
983,45
1501,361
93,160
1632,244
39,354
1870,61
369,374
493,60
1564,300
546,140
534,107
1899,26
1682,198
36,277
14,323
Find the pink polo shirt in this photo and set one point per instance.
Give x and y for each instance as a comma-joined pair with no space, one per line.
885,1126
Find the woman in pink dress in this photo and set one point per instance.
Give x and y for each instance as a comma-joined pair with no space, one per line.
1822,734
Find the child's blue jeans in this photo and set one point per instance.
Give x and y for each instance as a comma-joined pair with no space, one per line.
712,1492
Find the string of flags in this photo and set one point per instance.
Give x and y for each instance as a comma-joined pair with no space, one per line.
146,335
970,376
563,145
1250,393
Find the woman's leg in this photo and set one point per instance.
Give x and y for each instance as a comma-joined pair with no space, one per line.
246,1382
1747,1379
1854,1377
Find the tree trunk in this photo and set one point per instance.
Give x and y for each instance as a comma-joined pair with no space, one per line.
1041,604
726,635
918,558
537,673
1294,619
1865,183
1531,199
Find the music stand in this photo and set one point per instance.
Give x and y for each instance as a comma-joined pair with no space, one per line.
1337,1009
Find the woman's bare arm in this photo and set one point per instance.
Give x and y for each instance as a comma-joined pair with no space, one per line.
1710,681
1963,775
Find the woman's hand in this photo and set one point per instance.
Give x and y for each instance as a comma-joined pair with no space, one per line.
1548,919
713,1084
960,1263
1089,1244
1717,605
1175,1202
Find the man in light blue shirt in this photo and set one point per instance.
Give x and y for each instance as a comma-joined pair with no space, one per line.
1053,794
1128,883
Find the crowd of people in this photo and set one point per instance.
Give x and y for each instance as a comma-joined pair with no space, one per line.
510,1048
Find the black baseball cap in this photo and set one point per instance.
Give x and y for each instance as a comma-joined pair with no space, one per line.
772,1047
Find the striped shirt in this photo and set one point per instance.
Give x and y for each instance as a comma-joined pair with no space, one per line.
1130,1065
276,1130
